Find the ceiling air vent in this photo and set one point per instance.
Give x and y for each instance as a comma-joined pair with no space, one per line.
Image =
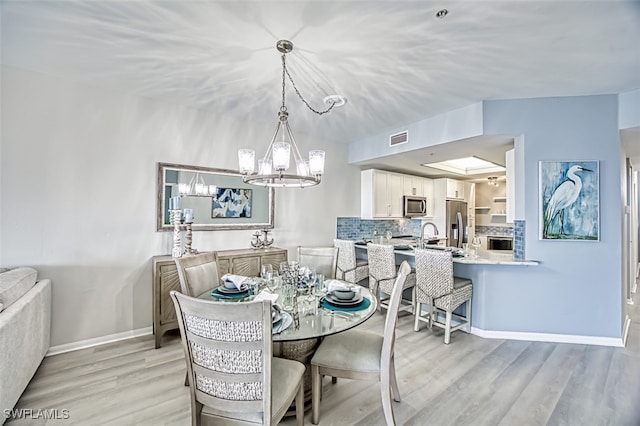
398,138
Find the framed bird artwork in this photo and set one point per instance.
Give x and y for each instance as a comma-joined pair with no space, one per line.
569,200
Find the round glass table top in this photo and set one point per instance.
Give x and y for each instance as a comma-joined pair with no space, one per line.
310,318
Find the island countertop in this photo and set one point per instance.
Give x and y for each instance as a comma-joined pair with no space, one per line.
484,258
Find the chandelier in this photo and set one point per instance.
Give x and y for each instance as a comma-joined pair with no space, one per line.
273,167
492,180
196,187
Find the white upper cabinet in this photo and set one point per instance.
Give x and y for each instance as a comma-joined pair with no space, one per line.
381,194
413,185
453,189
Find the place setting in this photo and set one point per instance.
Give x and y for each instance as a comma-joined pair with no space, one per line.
233,287
280,319
341,296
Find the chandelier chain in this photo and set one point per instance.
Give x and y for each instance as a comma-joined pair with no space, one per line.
286,70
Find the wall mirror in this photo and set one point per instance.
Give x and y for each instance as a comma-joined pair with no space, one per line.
229,203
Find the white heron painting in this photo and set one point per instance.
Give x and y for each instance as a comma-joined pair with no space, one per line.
569,200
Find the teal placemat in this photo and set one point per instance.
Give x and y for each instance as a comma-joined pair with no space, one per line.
216,293
359,307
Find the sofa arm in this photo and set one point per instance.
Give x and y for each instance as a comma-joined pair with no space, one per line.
25,332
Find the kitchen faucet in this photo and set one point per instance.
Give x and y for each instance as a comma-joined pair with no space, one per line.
424,225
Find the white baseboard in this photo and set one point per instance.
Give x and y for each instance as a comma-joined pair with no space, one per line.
625,330
82,344
547,337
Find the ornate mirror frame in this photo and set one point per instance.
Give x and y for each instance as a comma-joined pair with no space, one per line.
169,175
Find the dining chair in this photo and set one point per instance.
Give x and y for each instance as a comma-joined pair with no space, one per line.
228,350
349,268
382,275
323,259
362,355
197,273
437,287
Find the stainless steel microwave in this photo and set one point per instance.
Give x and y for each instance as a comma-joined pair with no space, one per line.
414,206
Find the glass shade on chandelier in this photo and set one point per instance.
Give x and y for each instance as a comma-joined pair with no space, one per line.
196,187
492,180
275,168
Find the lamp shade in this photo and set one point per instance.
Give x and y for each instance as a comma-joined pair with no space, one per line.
246,160
316,162
281,155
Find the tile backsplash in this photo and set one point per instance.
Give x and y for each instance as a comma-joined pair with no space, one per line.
494,230
354,228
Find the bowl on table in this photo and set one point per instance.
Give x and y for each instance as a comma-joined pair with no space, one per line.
229,284
344,294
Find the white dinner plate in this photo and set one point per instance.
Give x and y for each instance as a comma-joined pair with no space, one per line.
224,290
330,298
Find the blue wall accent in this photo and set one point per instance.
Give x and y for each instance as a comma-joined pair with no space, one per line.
629,105
577,288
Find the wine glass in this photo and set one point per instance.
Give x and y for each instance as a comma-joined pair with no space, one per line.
266,271
476,243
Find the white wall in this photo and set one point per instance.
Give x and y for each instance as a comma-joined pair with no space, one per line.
78,194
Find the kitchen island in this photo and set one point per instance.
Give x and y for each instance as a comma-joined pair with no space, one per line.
494,289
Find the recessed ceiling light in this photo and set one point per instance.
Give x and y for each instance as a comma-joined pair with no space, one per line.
441,13
466,166
336,100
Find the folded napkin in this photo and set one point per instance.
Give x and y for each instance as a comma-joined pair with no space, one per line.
265,295
333,285
237,280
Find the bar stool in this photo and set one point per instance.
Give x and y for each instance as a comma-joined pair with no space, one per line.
350,269
437,287
383,273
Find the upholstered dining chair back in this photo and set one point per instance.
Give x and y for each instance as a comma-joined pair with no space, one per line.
349,268
228,350
197,273
434,274
441,290
382,274
323,259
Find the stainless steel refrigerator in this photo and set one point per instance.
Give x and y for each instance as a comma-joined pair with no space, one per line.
456,223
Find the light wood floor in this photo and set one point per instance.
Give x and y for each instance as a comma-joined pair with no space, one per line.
472,381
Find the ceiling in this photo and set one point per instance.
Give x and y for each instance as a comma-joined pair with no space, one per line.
395,62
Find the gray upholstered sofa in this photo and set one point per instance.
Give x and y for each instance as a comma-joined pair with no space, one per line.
25,327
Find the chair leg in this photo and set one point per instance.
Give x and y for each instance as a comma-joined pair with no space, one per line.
447,328
316,388
300,404
468,327
433,314
385,394
395,392
416,321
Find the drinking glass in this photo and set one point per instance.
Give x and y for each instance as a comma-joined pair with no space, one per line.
389,236
274,282
266,271
476,243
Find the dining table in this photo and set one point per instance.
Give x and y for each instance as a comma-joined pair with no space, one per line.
309,320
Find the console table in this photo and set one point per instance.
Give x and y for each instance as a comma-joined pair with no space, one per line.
165,278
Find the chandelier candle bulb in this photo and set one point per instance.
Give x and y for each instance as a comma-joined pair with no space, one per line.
316,162
281,155
264,167
246,160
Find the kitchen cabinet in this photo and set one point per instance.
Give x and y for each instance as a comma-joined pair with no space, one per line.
451,188
413,185
381,194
